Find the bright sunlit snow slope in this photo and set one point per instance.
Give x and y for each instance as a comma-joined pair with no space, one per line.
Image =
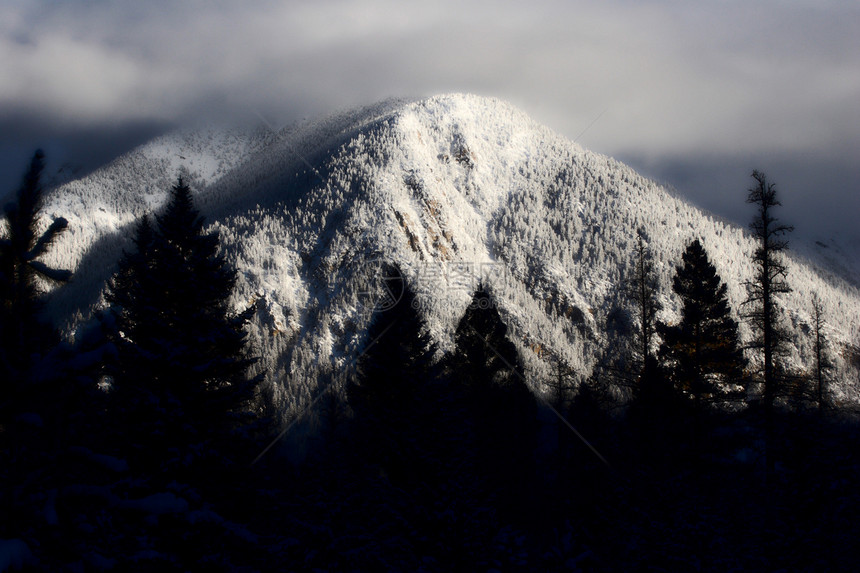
454,189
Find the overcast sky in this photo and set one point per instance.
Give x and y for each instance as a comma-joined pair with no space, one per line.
694,94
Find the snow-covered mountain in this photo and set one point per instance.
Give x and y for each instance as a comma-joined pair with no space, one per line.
454,189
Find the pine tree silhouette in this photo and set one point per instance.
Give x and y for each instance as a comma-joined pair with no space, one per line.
205,351
703,349
823,364
132,294
182,352
486,356
651,390
762,308
24,333
504,408
391,377
641,289
701,352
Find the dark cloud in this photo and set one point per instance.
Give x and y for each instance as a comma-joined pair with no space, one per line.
680,87
69,152
818,194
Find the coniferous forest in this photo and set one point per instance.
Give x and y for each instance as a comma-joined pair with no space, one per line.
150,441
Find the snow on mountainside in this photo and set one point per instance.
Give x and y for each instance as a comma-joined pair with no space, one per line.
454,189
835,255
107,200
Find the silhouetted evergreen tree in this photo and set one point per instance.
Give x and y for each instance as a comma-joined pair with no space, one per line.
487,357
641,289
391,377
206,350
182,353
762,293
701,352
702,349
616,365
32,387
505,409
823,364
591,406
133,294
561,383
652,392
23,332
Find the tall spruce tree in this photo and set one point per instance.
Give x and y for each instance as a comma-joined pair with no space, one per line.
561,382
180,346
505,410
391,377
642,287
762,296
28,382
488,358
823,364
132,292
24,332
702,349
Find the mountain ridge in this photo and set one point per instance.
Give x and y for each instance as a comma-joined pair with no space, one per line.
448,188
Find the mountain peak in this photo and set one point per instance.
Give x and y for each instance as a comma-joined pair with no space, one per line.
454,189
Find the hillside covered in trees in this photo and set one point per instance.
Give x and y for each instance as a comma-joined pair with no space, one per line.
418,336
